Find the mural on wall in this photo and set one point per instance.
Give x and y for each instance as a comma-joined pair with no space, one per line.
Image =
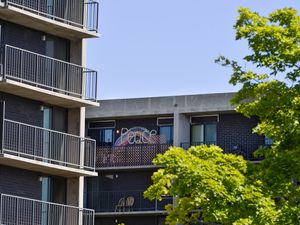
137,135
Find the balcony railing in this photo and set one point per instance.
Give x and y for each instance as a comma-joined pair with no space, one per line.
23,211
129,156
49,73
186,145
44,145
125,201
82,14
244,149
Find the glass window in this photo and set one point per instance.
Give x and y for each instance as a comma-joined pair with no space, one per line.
106,137
210,133
204,134
166,134
197,134
46,189
103,137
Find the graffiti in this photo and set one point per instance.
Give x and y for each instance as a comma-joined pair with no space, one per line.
137,135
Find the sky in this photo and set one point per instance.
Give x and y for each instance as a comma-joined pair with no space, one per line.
151,48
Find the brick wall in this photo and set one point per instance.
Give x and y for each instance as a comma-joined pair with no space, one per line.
29,111
22,110
234,133
20,182
32,40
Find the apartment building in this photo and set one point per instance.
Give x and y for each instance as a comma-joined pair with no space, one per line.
44,89
129,133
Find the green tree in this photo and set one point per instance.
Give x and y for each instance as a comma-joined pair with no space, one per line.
265,193
271,91
212,186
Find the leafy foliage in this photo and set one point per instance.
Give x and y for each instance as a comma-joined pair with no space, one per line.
273,96
210,185
224,188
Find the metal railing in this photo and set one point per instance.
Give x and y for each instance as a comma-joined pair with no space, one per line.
186,145
48,146
82,14
127,156
125,201
49,73
244,149
24,211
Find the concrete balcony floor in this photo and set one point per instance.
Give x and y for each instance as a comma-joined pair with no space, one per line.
32,20
43,95
40,166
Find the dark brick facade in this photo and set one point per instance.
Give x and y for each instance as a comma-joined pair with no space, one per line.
120,181
234,134
33,40
20,182
22,110
29,111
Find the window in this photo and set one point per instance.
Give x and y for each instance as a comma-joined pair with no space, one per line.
166,134
103,137
204,134
102,132
106,137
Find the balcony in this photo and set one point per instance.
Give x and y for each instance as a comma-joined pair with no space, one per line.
23,211
46,79
125,203
47,151
65,18
130,157
244,149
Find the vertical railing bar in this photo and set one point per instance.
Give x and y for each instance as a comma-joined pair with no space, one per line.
95,154
96,88
19,139
17,200
54,9
21,66
3,127
38,7
4,63
52,74
33,213
50,156
64,153
1,207
37,69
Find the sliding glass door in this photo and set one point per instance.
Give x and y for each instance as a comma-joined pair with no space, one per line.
204,134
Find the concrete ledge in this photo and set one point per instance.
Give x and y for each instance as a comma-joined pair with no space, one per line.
169,105
136,213
43,95
43,167
42,23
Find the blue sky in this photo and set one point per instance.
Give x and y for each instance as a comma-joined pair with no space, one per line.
167,47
